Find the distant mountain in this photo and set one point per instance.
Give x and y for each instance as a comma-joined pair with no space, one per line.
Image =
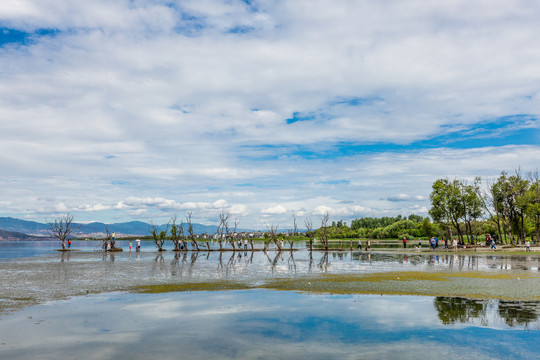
17,236
23,226
94,229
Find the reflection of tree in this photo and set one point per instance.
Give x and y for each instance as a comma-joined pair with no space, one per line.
513,313
517,313
291,263
323,264
274,262
454,309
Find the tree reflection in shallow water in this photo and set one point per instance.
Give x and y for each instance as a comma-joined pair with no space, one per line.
461,310
519,313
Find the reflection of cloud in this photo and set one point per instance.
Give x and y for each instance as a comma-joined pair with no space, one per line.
170,309
251,324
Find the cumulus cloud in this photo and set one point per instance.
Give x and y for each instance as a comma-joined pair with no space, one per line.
275,210
148,109
345,211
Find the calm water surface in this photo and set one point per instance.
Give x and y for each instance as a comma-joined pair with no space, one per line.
260,324
263,324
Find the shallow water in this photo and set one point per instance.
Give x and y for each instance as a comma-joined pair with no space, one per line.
258,323
33,272
265,324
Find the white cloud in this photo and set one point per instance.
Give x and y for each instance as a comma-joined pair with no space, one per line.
143,109
275,210
347,211
239,209
96,207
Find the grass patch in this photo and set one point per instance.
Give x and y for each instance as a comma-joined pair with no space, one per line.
204,286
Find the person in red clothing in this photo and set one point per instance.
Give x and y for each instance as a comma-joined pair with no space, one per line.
404,242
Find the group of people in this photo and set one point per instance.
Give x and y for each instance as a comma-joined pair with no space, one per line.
106,245
434,243
246,244
368,244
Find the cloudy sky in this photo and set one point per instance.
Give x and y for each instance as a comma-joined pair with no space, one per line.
118,110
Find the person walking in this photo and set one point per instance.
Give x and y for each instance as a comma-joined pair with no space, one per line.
69,244
454,244
404,242
138,245
359,244
129,245
493,247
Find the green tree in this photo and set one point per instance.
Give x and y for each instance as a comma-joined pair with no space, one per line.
531,202
428,228
509,192
472,205
447,205
159,237
177,233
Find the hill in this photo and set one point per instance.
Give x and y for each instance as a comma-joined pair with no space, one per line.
17,236
93,229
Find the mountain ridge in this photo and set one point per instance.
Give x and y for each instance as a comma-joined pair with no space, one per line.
94,229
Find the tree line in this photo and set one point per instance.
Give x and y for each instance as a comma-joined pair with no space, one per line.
508,207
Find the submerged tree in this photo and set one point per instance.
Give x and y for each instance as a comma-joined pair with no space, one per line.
309,232
220,230
177,233
324,230
272,235
159,237
191,232
62,228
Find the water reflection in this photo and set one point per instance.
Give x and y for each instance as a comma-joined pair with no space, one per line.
453,310
266,324
326,261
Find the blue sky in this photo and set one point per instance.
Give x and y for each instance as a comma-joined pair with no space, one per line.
141,110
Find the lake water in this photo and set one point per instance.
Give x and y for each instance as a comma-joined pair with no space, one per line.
249,324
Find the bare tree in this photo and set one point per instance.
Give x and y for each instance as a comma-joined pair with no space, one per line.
111,237
108,237
295,225
291,243
62,227
220,231
228,235
191,232
324,230
309,232
273,236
